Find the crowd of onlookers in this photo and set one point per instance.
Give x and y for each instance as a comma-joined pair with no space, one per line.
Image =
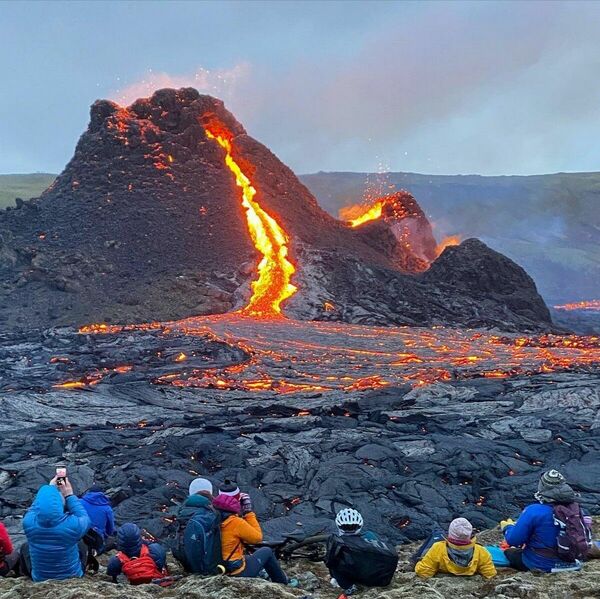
219,533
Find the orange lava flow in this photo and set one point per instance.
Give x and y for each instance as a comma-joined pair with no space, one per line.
592,305
371,213
273,285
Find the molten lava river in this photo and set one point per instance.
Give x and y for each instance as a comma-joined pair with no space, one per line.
288,356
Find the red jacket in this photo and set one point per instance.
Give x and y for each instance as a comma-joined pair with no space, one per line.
6,546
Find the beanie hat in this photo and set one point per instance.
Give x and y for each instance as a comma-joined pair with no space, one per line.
553,488
550,480
229,488
198,485
460,532
227,504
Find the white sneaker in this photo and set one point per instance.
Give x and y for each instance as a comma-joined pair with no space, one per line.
334,583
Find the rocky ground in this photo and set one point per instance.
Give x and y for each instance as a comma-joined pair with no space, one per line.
315,585
308,417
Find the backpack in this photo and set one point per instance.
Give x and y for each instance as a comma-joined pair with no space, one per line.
369,562
199,544
140,570
574,537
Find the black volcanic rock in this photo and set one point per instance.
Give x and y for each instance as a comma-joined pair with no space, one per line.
146,223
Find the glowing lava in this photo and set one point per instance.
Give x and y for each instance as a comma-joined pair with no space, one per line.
591,305
446,242
273,285
372,213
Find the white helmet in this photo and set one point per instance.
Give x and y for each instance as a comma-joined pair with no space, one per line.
349,520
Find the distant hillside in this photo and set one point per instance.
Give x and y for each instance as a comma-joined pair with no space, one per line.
550,224
22,186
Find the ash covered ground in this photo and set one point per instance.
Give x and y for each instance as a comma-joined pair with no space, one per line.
409,425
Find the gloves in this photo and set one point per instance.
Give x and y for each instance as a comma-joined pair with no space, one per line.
506,523
246,503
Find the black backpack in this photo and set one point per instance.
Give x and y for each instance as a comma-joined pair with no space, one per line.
369,562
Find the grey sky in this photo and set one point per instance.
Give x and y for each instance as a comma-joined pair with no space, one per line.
484,87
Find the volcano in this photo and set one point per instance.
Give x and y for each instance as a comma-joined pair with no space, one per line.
168,209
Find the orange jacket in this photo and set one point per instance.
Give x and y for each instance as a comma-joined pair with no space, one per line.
237,532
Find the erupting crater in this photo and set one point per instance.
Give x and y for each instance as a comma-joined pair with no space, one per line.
146,223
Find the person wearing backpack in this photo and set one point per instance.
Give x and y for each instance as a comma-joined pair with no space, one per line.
9,557
550,534
141,563
240,527
355,557
100,511
197,545
458,554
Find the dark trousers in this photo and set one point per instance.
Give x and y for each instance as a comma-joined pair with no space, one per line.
10,563
342,580
514,555
264,558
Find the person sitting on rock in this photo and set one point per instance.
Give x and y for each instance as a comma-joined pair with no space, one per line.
457,554
533,538
54,526
355,557
101,514
240,527
140,562
9,557
190,549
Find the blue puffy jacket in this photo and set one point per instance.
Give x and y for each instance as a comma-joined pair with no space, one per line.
535,528
53,531
98,507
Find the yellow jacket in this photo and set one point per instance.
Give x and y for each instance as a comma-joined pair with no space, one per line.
235,533
437,560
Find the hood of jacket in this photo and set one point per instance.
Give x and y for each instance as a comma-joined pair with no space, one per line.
562,493
49,506
96,498
196,501
461,555
227,504
129,539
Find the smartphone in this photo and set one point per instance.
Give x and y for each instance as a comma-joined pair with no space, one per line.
61,474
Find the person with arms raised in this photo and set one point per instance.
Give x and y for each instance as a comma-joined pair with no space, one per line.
54,526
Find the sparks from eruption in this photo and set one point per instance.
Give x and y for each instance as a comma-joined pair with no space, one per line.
273,285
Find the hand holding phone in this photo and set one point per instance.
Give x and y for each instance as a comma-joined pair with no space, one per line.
61,475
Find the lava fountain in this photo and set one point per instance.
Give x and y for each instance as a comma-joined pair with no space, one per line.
273,285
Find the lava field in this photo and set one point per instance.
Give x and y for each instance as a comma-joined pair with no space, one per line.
410,425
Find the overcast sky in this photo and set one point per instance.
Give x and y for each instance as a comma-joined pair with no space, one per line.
484,87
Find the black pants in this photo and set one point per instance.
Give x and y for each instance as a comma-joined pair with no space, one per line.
342,580
514,555
264,558
10,563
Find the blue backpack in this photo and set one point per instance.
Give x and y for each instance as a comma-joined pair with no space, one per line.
201,543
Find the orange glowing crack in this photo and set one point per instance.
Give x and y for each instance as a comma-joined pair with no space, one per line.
273,285
592,305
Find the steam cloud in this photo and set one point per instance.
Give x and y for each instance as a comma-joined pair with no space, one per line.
473,87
